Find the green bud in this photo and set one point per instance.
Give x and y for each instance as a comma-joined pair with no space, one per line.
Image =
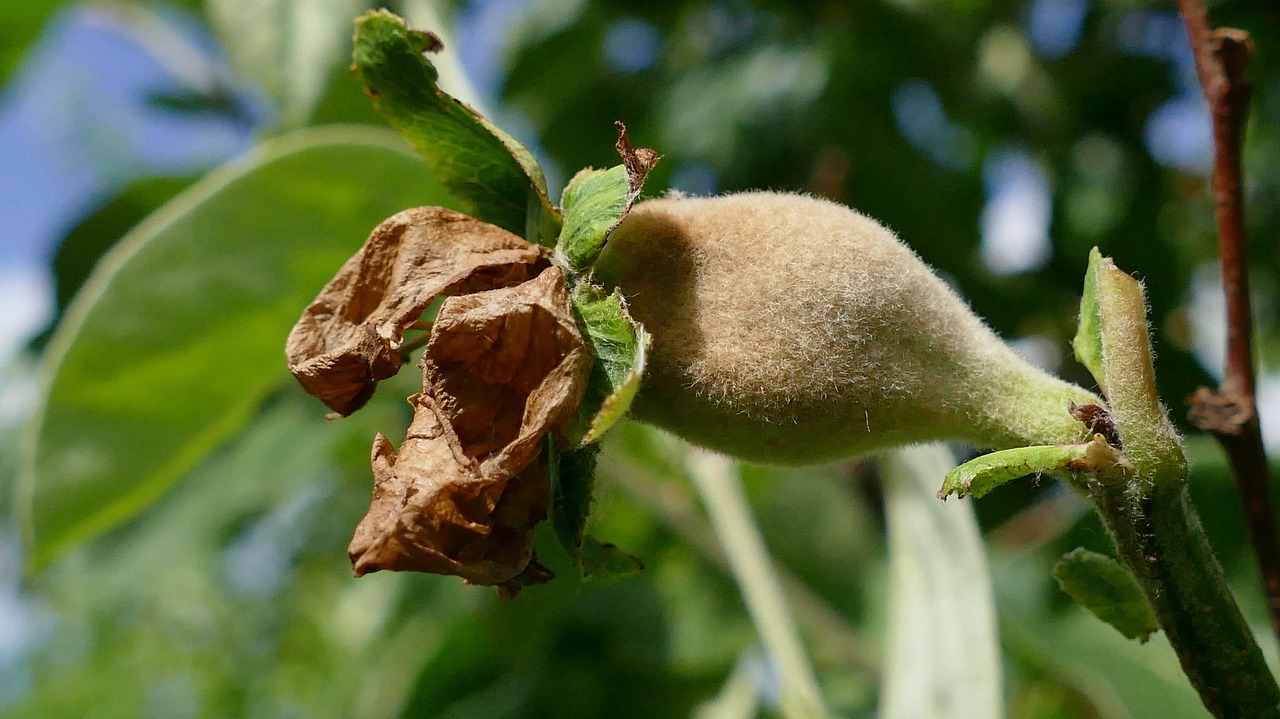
791,330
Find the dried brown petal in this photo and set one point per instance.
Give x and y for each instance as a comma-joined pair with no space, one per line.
462,496
506,365
347,339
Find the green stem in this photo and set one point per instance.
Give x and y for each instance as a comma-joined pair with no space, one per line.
1149,514
718,485
1160,539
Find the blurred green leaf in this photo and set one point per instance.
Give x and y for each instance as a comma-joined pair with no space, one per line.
178,336
1121,678
1098,583
20,24
88,241
620,346
494,177
244,559
291,47
602,560
943,655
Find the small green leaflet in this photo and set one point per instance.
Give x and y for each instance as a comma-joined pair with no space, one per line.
620,345
492,176
572,491
979,476
593,203
1098,583
1087,343
596,201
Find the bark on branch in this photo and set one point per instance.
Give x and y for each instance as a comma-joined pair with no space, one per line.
1229,412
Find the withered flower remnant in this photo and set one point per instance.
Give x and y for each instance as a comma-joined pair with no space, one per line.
347,339
505,366
502,370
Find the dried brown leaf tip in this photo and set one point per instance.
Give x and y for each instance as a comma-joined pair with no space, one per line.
349,338
503,369
639,161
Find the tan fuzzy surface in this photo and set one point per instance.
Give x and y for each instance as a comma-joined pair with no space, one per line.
789,329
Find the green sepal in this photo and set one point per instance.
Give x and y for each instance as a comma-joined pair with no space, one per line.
593,203
1087,344
492,176
979,476
596,201
620,346
572,492
1104,587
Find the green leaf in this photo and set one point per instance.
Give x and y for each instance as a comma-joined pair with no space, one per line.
492,176
88,241
1117,677
620,346
291,47
1098,583
980,475
572,490
177,337
593,203
602,560
1087,343
596,201
20,24
942,648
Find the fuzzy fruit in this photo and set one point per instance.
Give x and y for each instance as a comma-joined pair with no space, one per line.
791,330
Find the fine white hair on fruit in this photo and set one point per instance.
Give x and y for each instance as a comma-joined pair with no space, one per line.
790,329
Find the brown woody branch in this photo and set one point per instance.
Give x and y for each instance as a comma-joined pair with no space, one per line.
1229,412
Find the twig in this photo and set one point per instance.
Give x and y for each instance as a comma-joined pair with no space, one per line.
1229,413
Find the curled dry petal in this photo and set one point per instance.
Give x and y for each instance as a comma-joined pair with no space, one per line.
502,370
347,339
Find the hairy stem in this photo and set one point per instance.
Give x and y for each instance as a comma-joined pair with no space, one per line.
1157,533
1159,538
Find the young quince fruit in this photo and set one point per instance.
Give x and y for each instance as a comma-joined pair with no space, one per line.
790,330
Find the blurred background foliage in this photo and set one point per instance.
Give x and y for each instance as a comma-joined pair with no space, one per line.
1000,138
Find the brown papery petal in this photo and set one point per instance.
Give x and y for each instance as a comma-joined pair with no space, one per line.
503,369
347,339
